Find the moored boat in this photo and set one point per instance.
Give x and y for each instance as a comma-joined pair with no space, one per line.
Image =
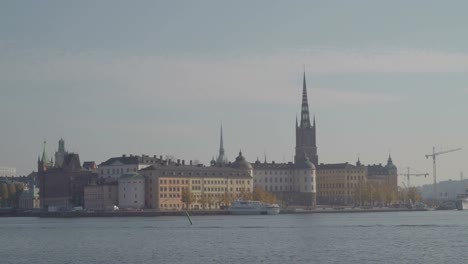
241,207
462,201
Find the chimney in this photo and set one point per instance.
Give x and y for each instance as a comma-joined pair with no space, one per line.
178,161
190,162
123,156
183,162
160,157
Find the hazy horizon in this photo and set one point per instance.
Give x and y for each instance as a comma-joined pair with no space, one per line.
158,78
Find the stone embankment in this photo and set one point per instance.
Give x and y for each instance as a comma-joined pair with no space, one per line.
154,213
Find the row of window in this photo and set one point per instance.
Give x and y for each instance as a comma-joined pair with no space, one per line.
181,173
280,188
339,171
170,195
118,171
165,181
286,172
276,180
162,181
171,189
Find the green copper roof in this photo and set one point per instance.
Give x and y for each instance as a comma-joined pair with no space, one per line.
132,175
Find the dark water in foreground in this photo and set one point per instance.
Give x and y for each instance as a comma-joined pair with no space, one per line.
399,237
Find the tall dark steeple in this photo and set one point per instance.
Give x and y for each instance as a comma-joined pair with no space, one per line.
306,147
305,120
221,160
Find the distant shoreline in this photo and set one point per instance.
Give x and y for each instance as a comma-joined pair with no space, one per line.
192,212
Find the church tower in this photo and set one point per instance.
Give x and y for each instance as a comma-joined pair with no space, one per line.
60,154
306,146
44,163
221,160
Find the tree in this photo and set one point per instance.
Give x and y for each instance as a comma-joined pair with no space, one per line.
413,194
259,194
3,194
187,197
245,195
203,200
226,198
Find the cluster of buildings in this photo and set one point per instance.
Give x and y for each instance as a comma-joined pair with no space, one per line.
151,182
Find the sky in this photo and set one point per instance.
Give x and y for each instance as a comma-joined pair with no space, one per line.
159,78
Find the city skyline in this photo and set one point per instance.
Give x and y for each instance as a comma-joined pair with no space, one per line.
160,85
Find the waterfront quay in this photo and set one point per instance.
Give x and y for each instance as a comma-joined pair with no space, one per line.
154,213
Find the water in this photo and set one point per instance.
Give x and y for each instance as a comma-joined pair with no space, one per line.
415,237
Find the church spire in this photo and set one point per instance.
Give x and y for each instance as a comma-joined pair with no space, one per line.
44,153
221,158
305,120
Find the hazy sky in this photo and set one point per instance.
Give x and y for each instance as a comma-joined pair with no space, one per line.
120,77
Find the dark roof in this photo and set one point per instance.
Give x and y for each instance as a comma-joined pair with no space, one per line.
89,165
71,162
273,166
131,160
241,163
335,166
199,169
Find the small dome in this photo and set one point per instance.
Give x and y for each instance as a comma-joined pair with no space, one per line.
241,163
305,164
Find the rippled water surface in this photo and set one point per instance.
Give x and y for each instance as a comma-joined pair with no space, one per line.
404,237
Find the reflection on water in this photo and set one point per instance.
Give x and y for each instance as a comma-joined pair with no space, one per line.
416,237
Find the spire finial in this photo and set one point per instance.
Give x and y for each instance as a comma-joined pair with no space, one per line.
305,120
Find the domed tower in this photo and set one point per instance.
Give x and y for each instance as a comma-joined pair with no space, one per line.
242,164
391,168
392,173
305,132
305,174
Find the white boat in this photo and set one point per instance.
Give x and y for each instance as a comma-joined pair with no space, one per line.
240,207
462,201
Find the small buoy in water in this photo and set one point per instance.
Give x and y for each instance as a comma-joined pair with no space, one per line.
188,216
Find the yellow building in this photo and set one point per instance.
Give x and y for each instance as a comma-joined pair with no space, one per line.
210,187
338,184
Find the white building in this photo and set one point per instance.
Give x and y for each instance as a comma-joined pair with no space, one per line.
294,184
7,172
131,191
113,168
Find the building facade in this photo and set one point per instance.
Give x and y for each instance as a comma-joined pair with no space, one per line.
101,196
209,187
339,183
387,175
131,191
113,168
348,184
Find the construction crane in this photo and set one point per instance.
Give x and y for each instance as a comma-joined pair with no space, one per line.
434,156
408,174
